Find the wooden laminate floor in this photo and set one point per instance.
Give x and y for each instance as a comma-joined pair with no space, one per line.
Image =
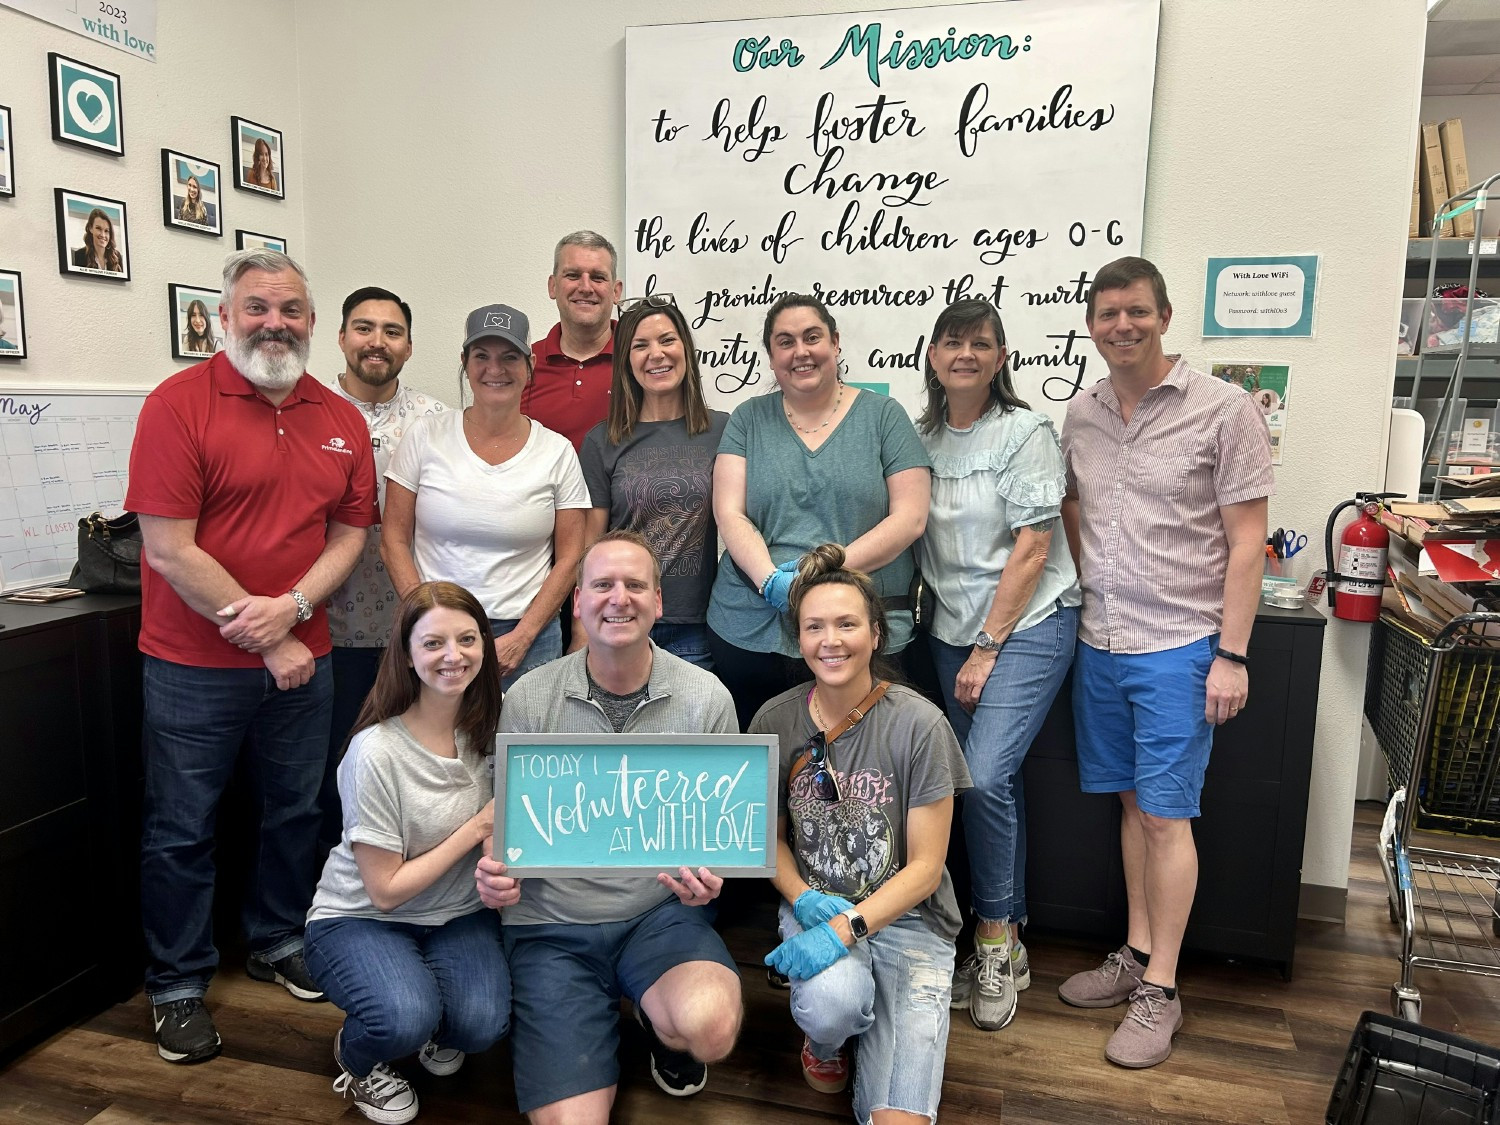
1253,1048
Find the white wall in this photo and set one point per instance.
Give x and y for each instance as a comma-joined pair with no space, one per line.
442,149
1481,118
230,59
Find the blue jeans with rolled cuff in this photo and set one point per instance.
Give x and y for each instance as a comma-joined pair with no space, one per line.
196,722
1022,685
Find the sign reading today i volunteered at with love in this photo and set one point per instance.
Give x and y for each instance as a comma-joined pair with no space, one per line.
890,162
633,804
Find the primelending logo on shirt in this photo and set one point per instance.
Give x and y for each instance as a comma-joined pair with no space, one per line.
338,445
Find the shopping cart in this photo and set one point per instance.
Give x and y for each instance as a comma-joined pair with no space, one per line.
1437,717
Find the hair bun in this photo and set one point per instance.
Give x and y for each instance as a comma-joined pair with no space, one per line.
823,559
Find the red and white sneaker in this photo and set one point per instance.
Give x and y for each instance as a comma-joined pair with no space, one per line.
826,1076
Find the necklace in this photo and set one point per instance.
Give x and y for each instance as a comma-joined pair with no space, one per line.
818,711
824,424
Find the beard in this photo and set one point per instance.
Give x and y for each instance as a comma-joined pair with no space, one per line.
372,376
267,368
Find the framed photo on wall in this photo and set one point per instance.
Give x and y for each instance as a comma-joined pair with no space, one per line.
7,154
92,240
86,106
259,161
12,316
190,198
249,240
195,321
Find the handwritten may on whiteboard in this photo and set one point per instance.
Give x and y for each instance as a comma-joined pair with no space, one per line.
890,163
635,804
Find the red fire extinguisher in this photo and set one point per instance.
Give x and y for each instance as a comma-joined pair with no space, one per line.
1354,586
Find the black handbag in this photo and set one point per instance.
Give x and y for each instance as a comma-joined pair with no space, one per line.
109,555
923,602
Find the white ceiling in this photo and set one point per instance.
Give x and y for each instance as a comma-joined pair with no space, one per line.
1463,47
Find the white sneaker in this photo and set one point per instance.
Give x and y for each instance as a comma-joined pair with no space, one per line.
992,1004
382,1096
441,1061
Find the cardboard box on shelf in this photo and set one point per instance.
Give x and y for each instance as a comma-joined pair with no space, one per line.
1434,180
1456,170
1415,230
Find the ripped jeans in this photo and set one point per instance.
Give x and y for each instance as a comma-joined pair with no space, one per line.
890,995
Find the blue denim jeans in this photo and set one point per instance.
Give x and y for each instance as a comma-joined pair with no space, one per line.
401,984
1012,707
353,676
196,720
547,647
686,639
891,995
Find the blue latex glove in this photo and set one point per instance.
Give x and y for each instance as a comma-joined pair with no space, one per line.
808,954
780,585
813,907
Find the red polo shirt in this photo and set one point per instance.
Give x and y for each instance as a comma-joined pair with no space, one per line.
262,481
567,395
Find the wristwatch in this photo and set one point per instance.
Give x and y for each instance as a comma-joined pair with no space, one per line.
987,642
304,607
857,925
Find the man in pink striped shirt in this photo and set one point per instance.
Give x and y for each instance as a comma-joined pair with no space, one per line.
1169,472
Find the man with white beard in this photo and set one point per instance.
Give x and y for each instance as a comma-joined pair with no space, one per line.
254,485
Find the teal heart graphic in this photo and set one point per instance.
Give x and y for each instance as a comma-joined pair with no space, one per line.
91,105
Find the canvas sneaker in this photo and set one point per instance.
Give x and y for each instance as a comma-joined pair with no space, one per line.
1144,1037
382,1095
674,1072
290,972
441,1061
826,1076
185,1032
992,1003
1110,984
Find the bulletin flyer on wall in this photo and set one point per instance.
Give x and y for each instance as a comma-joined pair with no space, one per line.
1269,383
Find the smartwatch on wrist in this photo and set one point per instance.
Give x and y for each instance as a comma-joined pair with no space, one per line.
1233,657
857,925
304,607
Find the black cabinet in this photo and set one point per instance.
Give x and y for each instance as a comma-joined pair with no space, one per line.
1250,834
70,784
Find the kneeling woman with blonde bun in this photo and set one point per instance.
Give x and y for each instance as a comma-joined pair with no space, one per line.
397,936
870,915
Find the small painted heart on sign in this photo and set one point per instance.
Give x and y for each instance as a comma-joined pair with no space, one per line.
513,854
90,105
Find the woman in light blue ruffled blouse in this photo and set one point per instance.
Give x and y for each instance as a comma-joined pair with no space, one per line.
1005,622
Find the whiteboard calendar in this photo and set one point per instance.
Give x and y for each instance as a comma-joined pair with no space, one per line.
63,455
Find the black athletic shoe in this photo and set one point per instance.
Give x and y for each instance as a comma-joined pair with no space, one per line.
290,972
675,1072
185,1032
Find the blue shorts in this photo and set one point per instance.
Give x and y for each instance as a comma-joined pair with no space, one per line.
567,981
1140,725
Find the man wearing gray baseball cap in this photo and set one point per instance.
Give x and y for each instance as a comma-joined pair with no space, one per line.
502,498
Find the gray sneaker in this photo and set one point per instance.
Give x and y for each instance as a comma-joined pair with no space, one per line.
1144,1037
1020,967
992,1004
1110,984
963,983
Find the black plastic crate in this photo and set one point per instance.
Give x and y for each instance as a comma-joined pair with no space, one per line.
1401,1073
1459,787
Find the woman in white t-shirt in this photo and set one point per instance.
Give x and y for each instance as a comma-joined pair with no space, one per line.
490,499
396,935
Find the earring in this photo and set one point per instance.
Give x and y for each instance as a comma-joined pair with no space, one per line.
933,384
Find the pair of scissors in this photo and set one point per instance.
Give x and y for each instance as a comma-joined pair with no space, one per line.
1287,542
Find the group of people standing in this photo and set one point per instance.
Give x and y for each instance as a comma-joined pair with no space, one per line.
555,542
